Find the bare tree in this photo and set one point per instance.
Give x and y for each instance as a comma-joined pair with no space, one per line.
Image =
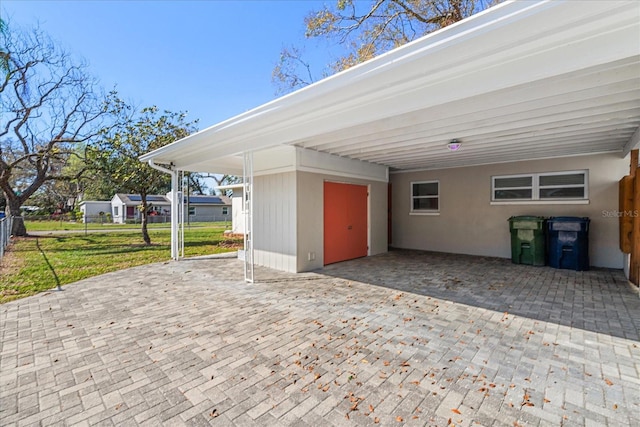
49,106
365,29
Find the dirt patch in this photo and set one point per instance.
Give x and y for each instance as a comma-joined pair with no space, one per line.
11,263
231,244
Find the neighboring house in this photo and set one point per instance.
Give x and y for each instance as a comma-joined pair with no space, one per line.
199,208
92,210
237,208
124,207
207,208
527,108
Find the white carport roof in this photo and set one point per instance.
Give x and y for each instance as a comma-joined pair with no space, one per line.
522,80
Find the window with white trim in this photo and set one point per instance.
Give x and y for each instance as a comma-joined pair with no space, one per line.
192,210
425,196
225,210
548,186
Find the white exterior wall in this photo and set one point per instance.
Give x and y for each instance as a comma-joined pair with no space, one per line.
237,211
274,221
91,209
469,224
122,210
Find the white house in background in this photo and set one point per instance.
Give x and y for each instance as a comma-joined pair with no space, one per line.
91,210
238,217
124,207
543,102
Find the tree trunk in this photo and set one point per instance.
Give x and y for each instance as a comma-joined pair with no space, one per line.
144,217
18,228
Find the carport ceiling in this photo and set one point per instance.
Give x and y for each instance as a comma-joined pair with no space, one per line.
523,80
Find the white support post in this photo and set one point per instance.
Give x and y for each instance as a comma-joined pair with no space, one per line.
175,220
177,240
248,216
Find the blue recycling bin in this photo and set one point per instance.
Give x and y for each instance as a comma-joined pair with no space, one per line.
568,242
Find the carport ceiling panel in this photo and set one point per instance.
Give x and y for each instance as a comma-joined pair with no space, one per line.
568,93
596,115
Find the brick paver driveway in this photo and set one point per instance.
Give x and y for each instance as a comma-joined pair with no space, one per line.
404,338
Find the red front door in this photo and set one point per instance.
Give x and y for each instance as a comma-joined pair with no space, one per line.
345,222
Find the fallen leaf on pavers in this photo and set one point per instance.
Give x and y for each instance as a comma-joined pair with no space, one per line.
399,419
371,408
317,376
386,363
397,297
376,420
615,406
325,388
456,411
405,363
364,361
415,382
546,400
118,406
608,381
214,413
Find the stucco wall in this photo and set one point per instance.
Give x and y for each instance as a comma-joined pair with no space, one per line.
469,224
310,231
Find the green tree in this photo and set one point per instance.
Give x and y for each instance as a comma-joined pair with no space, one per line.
49,106
136,134
365,29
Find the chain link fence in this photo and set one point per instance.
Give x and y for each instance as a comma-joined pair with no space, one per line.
5,234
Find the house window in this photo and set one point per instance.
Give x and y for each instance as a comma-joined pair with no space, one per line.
225,210
115,211
571,185
192,210
425,197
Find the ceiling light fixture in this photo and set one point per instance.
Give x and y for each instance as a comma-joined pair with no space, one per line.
454,145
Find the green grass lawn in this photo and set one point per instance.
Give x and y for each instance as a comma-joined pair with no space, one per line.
49,225
36,264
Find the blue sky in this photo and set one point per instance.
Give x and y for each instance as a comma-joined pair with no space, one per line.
210,58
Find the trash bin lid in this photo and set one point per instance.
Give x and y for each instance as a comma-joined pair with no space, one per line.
569,219
526,222
568,223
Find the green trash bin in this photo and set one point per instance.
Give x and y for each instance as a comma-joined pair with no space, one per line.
527,240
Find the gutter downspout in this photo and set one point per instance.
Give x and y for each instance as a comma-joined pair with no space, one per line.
174,207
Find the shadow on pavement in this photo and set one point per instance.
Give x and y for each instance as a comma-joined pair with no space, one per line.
599,300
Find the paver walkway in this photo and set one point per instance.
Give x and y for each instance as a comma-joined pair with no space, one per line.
431,339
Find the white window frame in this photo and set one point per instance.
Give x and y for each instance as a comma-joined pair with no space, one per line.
536,187
412,197
225,210
194,211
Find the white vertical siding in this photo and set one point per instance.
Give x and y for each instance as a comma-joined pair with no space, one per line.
274,221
